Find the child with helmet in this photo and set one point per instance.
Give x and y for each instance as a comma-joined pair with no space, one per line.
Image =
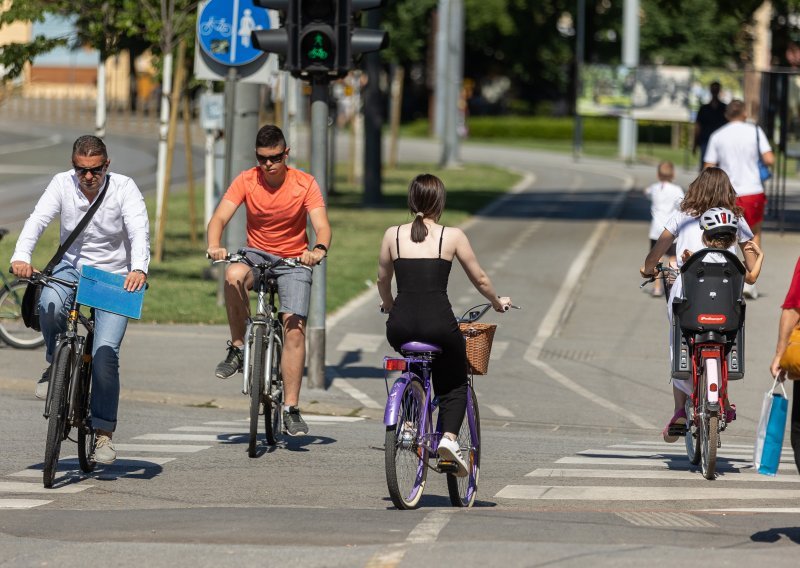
708,214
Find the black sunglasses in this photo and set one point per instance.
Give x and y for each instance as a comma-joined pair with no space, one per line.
83,171
272,159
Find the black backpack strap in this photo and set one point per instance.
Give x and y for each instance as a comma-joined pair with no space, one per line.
76,231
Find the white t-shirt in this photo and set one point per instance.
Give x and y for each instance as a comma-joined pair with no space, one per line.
665,199
689,235
733,148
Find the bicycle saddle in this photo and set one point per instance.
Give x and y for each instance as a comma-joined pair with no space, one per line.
420,347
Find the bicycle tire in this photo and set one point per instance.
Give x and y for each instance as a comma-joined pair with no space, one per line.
692,446
257,354
12,328
463,490
273,402
709,425
406,460
57,420
86,434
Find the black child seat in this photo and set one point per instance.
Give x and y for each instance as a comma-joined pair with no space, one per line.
712,304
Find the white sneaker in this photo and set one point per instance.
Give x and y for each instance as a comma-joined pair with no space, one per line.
104,451
449,450
750,291
41,386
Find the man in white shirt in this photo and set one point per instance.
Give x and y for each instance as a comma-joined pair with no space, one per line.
736,148
117,239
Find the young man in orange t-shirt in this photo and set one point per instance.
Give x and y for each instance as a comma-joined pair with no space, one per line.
277,199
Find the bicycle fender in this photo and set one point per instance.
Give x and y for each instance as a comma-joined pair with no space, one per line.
393,401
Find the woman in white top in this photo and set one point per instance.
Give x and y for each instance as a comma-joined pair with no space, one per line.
710,189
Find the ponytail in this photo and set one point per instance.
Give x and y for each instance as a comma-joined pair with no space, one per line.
419,230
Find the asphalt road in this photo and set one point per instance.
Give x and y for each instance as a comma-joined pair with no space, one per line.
573,466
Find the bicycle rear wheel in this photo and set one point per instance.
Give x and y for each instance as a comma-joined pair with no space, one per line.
463,490
86,434
691,440
12,328
273,401
257,354
709,422
406,456
60,376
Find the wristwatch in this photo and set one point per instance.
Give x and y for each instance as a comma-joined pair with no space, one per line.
323,248
140,271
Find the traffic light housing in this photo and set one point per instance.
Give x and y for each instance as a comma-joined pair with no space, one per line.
319,38
281,41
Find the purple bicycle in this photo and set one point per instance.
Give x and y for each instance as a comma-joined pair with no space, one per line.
411,440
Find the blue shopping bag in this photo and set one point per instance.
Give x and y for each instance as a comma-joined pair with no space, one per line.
771,426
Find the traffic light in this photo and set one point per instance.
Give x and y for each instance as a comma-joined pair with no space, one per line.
318,47
362,40
281,41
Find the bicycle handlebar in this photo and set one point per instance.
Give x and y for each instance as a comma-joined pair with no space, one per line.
659,268
239,256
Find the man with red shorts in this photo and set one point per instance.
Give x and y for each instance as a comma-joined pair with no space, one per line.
736,148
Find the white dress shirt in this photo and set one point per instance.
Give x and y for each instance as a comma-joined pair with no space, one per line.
117,239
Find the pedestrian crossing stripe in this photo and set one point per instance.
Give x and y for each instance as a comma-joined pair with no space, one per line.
609,493
26,487
22,503
663,519
658,460
128,465
190,437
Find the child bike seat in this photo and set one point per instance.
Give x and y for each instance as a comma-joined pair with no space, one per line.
420,347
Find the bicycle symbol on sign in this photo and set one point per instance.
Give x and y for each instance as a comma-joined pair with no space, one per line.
215,25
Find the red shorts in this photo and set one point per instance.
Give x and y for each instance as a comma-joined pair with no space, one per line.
753,206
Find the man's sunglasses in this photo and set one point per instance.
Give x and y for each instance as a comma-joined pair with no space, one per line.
277,158
83,171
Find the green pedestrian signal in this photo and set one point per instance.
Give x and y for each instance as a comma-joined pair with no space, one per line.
320,49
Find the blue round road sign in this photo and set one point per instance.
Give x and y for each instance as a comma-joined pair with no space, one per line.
224,27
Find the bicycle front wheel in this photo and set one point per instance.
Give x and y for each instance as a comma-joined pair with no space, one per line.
462,490
273,401
86,434
257,354
60,376
12,328
406,455
709,421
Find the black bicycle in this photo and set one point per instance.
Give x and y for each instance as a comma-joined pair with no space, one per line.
69,388
12,329
263,347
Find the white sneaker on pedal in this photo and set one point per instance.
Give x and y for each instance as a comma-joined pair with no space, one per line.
41,386
750,291
104,451
449,450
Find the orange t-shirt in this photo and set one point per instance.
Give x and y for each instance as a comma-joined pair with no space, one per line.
276,217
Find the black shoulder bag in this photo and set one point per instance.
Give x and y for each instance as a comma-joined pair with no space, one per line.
30,300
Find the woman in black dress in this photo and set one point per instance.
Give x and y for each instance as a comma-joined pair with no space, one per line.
420,253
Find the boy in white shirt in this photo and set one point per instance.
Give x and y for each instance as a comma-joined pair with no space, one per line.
665,199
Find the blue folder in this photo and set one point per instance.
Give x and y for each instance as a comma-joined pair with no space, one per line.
103,290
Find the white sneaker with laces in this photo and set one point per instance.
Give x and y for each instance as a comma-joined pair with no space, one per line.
41,386
449,450
750,291
104,451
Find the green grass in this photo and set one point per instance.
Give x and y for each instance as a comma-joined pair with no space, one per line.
181,292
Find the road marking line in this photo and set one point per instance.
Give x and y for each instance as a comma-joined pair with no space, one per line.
664,445
38,144
22,503
127,464
426,532
664,519
314,418
734,455
607,493
500,410
787,510
363,342
160,448
23,487
656,462
345,386
498,350
676,474
186,437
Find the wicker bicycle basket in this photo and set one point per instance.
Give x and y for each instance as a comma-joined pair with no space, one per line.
479,338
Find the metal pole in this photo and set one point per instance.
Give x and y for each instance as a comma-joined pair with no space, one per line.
450,149
315,328
577,139
630,59
442,85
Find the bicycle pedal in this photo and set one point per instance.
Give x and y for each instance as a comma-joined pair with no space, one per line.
677,430
447,466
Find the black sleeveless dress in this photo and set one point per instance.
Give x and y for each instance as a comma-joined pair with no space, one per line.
422,312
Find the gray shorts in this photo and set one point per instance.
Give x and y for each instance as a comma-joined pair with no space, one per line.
294,284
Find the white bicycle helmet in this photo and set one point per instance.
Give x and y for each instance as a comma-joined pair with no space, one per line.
718,221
